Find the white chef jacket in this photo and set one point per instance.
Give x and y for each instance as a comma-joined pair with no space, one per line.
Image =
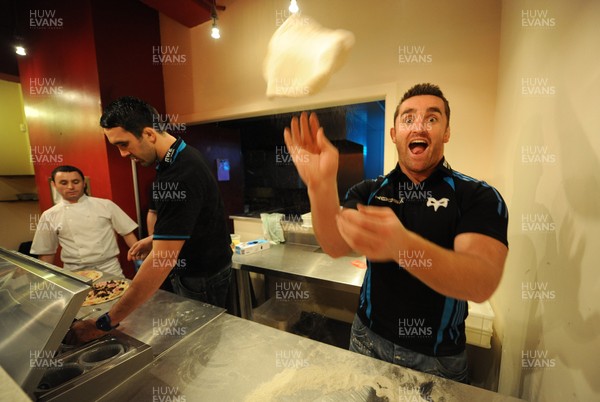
86,232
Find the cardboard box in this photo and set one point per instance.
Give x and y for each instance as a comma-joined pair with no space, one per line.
253,246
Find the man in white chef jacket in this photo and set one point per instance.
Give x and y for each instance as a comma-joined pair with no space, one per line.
83,226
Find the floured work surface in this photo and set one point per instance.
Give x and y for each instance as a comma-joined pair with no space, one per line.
232,359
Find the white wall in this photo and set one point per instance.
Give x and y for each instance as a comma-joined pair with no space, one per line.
223,79
555,179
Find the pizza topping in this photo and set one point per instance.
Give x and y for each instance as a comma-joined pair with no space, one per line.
106,291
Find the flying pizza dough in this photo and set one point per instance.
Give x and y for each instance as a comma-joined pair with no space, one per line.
302,56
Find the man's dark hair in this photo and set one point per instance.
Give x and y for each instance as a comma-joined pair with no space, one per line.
67,168
424,89
131,114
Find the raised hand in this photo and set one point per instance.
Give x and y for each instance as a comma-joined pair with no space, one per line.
314,156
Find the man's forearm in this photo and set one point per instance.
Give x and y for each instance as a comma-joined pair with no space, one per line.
325,205
471,270
146,282
153,272
49,258
130,239
458,274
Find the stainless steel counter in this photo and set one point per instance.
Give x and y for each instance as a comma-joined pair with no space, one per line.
297,262
10,390
305,262
232,359
38,304
161,322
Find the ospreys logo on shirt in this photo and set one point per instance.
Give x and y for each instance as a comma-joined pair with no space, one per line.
442,202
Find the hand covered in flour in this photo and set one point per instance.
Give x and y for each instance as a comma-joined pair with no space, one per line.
375,232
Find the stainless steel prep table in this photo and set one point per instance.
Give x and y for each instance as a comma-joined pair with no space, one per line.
297,261
38,304
161,322
233,359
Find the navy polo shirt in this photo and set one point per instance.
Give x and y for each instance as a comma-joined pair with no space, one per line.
395,304
189,207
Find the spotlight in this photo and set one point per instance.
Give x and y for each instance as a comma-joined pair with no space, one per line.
214,32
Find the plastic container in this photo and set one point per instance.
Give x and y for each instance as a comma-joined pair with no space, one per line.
251,247
479,325
235,239
307,220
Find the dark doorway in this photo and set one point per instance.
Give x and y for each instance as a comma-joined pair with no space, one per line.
270,180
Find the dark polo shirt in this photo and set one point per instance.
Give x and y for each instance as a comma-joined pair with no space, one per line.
189,207
394,303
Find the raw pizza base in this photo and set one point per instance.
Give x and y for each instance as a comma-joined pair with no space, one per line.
103,292
91,274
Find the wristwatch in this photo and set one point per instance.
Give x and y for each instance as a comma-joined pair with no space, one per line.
103,323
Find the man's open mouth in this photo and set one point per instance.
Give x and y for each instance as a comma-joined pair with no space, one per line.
418,146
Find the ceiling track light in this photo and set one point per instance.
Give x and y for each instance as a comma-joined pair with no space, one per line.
20,50
19,45
214,32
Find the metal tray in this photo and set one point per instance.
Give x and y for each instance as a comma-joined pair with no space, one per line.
89,371
38,303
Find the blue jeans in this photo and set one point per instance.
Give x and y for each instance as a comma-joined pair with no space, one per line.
212,290
368,343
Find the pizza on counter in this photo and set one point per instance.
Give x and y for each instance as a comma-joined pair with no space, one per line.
103,292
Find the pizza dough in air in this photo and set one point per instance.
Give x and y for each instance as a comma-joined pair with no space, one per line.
302,56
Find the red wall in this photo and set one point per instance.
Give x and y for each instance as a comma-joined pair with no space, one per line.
93,53
124,51
61,92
